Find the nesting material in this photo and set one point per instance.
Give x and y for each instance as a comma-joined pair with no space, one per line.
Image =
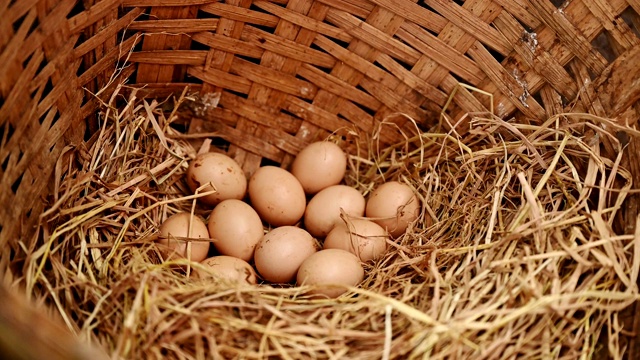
514,253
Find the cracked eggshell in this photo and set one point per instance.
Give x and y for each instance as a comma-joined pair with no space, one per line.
363,238
228,268
235,228
393,205
222,171
277,196
319,165
281,252
328,269
177,225
324,209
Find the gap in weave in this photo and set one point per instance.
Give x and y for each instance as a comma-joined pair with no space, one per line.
43,64
267,162
43,117
558,3
81,40
16,184
537,97
56,117
342,44
379,66
6,132
33,27
48,87
255,8
526,27
424,5
142,17
5,164
252,60
206,15
25,63
192,79
632,19
85,99
220,143
236,93
602,43
270,30
179,125
496,55
292,115
313,46
77,9
18,22
88,130
125,34
195,45
405,65
364,108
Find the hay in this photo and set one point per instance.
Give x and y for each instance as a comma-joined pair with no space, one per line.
514,254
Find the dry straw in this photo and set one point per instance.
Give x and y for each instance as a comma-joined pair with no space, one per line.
514,254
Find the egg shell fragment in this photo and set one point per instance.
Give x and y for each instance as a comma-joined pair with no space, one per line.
393,205
328,269
236,229
277,196
228,268
177,225
220,170
324,209
281,252
319,165
363,238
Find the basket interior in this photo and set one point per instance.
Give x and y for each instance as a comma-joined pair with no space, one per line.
284,73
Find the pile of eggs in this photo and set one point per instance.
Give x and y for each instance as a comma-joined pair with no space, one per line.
323,241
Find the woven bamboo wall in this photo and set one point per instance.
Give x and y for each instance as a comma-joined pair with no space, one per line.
292,70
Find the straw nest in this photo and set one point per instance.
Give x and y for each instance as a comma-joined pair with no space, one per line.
514,254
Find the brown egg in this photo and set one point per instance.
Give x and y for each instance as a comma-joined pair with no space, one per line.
319,165
277,196
228,268
177,225
324,209
393,205
364,238
328,269
281,251
235,228
222,171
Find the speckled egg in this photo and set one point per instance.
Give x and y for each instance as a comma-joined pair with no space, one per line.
277,196
223,172
281,251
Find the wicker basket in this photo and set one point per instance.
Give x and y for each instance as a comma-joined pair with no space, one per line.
288,72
